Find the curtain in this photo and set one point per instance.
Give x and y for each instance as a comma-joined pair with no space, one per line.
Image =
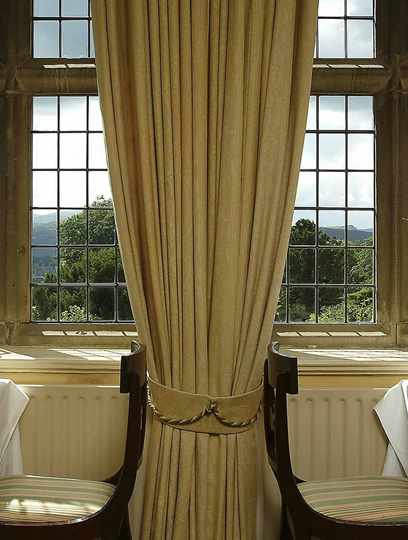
204,105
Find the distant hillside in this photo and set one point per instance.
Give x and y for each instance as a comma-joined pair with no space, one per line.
44,227
354,234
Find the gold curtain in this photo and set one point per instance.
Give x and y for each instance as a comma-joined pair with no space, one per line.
204,105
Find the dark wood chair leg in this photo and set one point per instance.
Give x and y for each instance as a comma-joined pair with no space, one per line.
285,529
125,533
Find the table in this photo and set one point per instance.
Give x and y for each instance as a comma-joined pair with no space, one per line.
13,402
392,412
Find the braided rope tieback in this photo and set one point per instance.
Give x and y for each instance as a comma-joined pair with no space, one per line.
210,408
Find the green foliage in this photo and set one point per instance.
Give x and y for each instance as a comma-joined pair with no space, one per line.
101,266
330,270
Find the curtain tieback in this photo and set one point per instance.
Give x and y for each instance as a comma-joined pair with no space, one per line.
203,413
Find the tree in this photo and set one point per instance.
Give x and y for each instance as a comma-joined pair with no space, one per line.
330,268
74,261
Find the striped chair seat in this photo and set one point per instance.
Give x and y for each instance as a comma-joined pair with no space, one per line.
43,499
364,498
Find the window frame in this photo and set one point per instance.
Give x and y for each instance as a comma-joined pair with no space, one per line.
390,110
21,76
31,78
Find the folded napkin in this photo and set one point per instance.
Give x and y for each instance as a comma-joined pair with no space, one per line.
13,401
392,412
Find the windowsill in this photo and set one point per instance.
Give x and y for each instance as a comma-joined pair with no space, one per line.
342,361
68,360
106,360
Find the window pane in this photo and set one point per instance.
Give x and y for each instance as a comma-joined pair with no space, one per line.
311,115
331,265
95,116
101,303
360,266
72,189
360,39
302,304
74,8
306,192
331,8
332,227
44,265
73,304
331,38
301,265
72,227
45,113
99,188
361,228
281,309
44,151
101,227
309,152
361,189
46,8
332,187
360,304
124,309
332,112
45,188
360,113
44,304
73,113
97,153
303,228
332,151
72,265
73,150
44,228
331,305
360,8
361,151
46,39
102,263
74,39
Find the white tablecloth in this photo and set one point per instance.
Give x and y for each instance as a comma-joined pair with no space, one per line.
392,411
13,401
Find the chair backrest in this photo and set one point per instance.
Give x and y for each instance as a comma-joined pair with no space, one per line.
133,381
280,379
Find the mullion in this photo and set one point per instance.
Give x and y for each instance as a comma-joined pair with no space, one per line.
58,204
346,217
345,30
87,300
316,250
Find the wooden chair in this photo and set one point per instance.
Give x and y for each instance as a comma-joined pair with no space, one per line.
356,508
42,508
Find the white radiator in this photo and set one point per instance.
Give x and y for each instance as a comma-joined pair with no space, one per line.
74,431
79,431
334,433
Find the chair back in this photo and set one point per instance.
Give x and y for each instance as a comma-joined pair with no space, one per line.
133,381
280,379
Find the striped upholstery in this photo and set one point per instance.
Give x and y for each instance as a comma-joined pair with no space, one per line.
364,498
43,499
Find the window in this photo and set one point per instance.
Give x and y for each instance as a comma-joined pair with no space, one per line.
76,267
352,207
346,29
330,270
62,29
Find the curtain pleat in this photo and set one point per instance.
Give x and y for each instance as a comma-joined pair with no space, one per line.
204,105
